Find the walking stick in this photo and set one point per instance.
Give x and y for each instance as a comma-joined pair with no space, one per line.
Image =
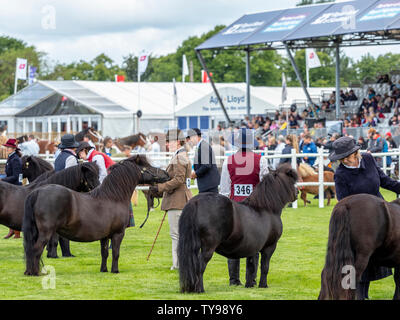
158,232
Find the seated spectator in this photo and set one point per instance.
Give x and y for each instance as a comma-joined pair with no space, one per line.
293,124
362,143
272,143
371,93
352,96
309,146
393,121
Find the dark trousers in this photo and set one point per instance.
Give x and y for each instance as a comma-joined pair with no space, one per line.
215,190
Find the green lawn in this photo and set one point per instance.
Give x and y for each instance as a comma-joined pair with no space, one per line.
294,271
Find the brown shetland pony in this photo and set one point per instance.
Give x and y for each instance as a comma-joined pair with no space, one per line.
363,230
308,174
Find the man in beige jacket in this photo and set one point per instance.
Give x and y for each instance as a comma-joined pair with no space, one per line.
176,192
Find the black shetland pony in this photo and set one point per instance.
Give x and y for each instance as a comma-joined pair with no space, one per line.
212,222
33,167
363,230
83,177
101,214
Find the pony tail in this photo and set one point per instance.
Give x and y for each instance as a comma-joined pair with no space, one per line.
339,254
190,262
31,234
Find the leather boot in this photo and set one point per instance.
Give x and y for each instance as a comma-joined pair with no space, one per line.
17,234
10,234
234,272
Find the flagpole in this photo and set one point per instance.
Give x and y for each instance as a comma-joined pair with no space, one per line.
138,108
307,70
174,101
16,79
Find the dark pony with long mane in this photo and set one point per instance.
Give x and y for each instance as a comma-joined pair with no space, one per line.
101,214
212,222
364,230
83,177
33,167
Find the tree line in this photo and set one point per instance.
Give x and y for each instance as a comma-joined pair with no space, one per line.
226,65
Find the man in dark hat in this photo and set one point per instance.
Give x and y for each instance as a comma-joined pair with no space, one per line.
67,157
205,167
241,172
358,174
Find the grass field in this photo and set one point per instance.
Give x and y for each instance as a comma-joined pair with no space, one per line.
294,271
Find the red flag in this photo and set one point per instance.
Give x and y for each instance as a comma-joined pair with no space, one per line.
119,78
204,76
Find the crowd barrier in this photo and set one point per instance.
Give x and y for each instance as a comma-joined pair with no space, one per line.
321,156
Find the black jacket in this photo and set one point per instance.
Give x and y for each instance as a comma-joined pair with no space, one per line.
13,169
205,168
366,179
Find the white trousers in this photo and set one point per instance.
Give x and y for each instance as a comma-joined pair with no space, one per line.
173,219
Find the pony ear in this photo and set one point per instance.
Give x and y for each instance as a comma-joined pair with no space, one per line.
289,171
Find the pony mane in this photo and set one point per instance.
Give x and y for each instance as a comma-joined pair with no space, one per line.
274,190
69,176
119,184
306,170
41,163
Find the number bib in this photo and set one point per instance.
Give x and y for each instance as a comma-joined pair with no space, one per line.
243,190
188,183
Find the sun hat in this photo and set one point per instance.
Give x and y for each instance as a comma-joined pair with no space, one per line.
68,141
342,148
11,143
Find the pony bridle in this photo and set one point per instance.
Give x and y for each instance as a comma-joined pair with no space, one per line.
144,170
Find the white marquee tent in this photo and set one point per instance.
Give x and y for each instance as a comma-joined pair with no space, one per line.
66,106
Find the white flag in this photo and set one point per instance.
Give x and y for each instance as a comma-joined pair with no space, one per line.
284,89
143,61
312,59
21,69
185,68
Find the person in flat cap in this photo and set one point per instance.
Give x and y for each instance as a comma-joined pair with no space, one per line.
176,192
360,173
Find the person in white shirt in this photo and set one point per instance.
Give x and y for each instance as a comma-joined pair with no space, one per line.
278,150
155,151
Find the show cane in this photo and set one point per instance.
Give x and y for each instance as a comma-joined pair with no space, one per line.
158,232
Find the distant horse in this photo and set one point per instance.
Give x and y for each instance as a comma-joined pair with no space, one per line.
363,230
132,141
95,136
308,174
83,177
101,214
33,167
46,145
212,222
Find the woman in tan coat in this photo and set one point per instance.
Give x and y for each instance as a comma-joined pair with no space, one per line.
176,192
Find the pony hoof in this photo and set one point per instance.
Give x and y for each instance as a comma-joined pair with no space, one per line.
69,256
28,273
103,270
114,271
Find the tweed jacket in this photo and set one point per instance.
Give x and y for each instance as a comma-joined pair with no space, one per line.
175,191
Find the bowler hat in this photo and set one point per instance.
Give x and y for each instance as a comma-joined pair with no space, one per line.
68,141
342,148
11,143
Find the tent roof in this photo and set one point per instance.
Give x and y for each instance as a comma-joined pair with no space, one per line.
357,17
113,99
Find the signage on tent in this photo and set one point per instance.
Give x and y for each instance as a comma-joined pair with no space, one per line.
243,28
286,23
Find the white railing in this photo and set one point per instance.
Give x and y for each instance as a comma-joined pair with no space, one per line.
322,154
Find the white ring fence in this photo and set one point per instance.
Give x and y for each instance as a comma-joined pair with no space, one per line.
163,159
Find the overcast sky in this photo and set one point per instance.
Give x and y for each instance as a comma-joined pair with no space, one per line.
70,30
